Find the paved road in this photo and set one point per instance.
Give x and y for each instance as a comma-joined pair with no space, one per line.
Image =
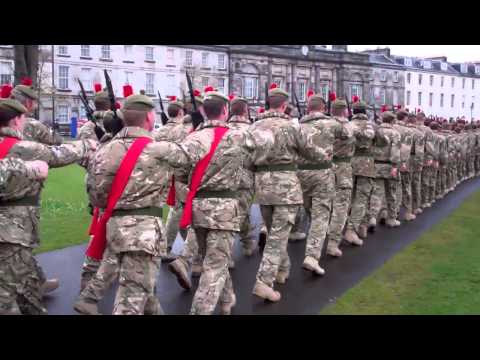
303,293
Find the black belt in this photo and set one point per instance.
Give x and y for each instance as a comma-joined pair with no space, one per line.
383,162
26,201
148,211
208,194
273,168
341,159
315,166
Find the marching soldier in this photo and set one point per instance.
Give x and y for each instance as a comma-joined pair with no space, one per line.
23,284
386,152
34,130
429,164
276,143
363,169
317,179
95,130
343,151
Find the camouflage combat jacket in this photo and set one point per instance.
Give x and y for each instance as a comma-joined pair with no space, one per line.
87,131
16,179
386,150
430,153
406,142
222,177
364,131
417,151
442,154
276,142
34,130
19,224
240,124
147,189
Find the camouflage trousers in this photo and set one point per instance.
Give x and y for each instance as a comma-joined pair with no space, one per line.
20,281
215,283
279,220
190,254
389,188
172,225
341,202
360,212
428,184
471,165
89,269
441,181
417,188
317,205
301,221
477,165
377,201
406,185
137,272
246,230
399,201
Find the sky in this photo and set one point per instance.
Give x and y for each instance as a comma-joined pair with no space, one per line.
454,53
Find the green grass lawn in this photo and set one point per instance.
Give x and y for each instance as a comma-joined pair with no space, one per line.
438,274
64,214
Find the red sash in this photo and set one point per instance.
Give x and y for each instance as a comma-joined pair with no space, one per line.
99,225
6,145
197,176
171,198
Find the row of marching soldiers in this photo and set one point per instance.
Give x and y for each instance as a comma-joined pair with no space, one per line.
208,163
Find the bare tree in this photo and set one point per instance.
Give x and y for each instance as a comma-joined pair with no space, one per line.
26,63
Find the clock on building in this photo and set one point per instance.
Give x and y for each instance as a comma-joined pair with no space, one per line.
305,50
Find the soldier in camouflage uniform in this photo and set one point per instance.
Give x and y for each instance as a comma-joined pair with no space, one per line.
135,231
477,148
363,169
429,164
343,151
471,150
442,160
386,152
217,213
34,130
451,157
21,280
95,130
407,140
276,143
318,180
17,177
416,164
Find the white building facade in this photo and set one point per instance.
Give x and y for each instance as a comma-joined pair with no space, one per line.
440,88
152,68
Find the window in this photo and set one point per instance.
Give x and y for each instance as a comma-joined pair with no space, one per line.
204,81
463,68
63,77
86,78
205,59
408,62
477,69
221,85
453,82
355,91
83,113
409,76
128,77
420,76
431,80
324,91
473,102
62,50
150,83
189,58
279,82
250,88
473,84
128,49
395,76
395,97
463,102
221,61
383,96
444,66
441,100
6,72
430,99
419,98
148,53
302,90
85,50
62,114
408,97
170,55
383,75
442,79
463,83
427,64
105,51
452,101
171,85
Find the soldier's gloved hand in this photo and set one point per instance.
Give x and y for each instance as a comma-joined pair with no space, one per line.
39,168
197,118
99,132
394,172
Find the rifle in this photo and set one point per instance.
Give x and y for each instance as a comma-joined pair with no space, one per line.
329,105
163,116
197,117
267,104
117,124
84,100
297,103
349,110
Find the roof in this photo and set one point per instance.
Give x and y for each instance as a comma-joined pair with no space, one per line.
417,64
